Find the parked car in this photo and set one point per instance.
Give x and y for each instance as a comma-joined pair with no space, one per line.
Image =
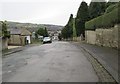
47,40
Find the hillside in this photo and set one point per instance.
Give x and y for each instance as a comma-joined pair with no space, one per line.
53,27
33,27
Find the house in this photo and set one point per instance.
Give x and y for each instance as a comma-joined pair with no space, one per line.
19,37
32,30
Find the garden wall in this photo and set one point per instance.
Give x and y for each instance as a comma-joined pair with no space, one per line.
103,37
4,43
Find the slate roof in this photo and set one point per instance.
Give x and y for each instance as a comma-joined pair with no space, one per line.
15,31
19,31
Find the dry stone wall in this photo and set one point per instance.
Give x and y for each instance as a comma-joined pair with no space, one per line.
103,37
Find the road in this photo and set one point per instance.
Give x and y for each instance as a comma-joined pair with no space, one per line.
55,62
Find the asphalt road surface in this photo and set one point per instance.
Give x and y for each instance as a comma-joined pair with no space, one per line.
55,62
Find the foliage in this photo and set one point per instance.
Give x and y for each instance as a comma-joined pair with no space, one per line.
77,27
5,32
60,37
92,17
82,13
67,31
111,7
42,32
111,2
64,33
96,9
106,20
46,32
36,41
74,29
81,18
36,35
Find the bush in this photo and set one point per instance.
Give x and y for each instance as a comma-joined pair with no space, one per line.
106,20
5,32
110,8
111,18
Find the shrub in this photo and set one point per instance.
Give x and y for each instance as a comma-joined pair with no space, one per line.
110,8
104,21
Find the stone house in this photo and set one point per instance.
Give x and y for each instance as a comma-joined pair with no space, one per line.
19,37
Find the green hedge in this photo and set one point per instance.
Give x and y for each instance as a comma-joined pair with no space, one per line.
110,8
106,20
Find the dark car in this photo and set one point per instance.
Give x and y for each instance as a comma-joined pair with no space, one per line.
47,40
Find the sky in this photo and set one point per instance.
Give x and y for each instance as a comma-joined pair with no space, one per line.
39,11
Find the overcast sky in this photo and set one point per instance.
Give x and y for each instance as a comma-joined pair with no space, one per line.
39,11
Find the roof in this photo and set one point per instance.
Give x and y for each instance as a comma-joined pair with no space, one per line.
15,31
19,31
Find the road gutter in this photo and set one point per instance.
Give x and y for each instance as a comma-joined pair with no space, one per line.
11,51
101,71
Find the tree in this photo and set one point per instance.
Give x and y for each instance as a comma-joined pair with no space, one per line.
81,18
5,32
103,7
59,37
111,2
96,8
67,31
74,30
70,26
111,7
42,32
45,32
36,35
64,32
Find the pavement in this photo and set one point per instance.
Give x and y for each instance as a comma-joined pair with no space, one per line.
108,57
11,47
51,58
15,49
10,51
55,62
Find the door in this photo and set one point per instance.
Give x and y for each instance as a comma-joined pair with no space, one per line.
28,39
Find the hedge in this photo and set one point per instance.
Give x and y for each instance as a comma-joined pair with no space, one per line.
104,21
110,8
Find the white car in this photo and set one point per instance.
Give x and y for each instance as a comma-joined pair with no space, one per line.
47,40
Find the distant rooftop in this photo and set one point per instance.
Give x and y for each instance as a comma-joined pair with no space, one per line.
15,31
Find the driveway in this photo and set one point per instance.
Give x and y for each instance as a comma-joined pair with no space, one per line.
55,62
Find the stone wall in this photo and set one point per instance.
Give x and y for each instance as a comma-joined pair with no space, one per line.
103,37
18,40
90,37
0,44
14,40
4,43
